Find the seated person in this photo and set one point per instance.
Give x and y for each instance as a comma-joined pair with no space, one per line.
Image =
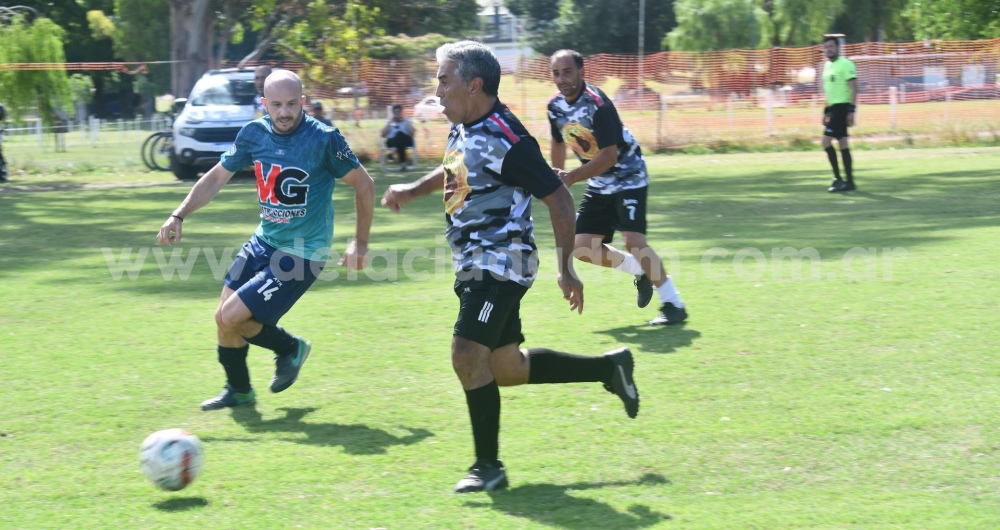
317,113
398,132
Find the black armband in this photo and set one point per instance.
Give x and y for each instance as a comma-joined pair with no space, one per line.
852,108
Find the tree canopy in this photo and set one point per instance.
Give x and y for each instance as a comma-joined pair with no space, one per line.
37,41
721,24
599,26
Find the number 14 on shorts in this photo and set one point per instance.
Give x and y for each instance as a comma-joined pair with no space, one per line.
267,290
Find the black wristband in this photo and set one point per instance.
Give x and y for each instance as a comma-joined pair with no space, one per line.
852,108
177,216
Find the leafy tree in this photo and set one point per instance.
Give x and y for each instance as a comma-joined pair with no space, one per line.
715,25
791,23
873,20
403,47
140,34
539,11
40,41
953,19
722,24
600,26
79,44
82,89
419,17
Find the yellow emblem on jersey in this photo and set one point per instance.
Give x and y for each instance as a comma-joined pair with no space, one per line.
581,140
456,185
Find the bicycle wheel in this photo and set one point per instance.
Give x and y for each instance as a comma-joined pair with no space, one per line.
159,151
145,150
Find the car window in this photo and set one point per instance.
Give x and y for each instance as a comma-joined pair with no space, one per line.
221,90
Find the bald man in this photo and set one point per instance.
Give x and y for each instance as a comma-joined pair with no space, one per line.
298,162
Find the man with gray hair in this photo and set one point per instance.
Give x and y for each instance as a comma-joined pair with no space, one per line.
491,169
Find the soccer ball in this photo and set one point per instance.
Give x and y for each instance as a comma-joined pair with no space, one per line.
171,458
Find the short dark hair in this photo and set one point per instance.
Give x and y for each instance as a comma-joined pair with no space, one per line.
398,107
829,38
577,58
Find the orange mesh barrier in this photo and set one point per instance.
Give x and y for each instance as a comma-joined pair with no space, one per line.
931,89
702,98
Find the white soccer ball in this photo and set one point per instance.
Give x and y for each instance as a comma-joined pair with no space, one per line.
171,458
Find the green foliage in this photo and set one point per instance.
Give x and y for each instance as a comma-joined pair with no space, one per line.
723,24
403,47
139,36
82,88
954,19
599,26
326,41
40,41
867,21
537,10
101,27
419,17
792,23
715,25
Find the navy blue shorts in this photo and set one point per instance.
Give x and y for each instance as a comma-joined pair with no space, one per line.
270,281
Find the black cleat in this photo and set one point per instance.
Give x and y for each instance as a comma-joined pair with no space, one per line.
229,398
669,314
836,185
287,366
483,476
644,290
849,186
622,383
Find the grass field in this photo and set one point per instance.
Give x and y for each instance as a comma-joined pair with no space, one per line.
857,389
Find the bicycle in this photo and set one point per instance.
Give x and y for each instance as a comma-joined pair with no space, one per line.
157,148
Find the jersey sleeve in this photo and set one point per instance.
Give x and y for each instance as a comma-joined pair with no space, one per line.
340,160
239,156
524,167
554,126
851,71
608,128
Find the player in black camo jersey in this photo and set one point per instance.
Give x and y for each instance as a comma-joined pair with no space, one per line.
582,116
491,169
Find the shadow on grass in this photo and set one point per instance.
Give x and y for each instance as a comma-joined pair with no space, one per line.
181,504
654,339
553,505
355,439
768,209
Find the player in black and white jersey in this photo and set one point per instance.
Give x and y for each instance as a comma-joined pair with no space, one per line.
491,170
582,116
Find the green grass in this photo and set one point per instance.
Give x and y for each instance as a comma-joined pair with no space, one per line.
841,395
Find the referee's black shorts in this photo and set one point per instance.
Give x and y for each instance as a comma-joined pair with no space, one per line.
835,118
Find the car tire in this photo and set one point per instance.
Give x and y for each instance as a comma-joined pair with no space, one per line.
182,171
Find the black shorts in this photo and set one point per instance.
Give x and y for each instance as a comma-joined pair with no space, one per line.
489,313
835,117
624,211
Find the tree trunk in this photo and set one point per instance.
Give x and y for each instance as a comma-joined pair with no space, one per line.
190,43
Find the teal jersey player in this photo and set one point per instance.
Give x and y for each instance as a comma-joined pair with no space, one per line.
298,162
296,174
